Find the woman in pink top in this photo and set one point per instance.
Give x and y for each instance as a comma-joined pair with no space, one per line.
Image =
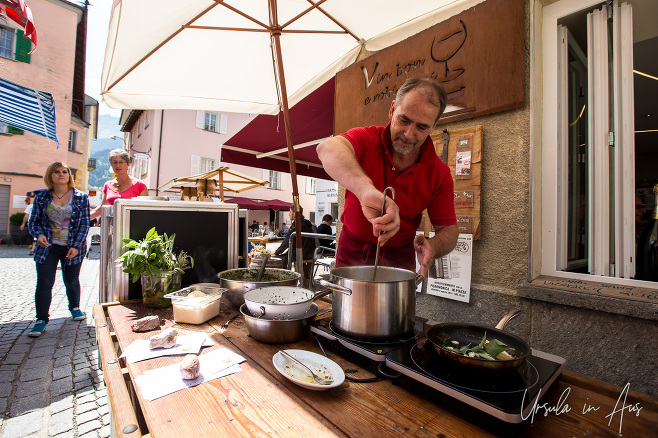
123,186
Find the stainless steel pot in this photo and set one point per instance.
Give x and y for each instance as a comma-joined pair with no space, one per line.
273,331
238,287
383,309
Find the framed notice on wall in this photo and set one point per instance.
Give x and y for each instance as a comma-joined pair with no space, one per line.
450,275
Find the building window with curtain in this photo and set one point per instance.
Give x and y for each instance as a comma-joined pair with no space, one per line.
596,159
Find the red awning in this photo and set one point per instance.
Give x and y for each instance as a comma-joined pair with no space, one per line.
247,203
311,120
276,204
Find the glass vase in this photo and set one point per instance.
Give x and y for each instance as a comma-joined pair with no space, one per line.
156,286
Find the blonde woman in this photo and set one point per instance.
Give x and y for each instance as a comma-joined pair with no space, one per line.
60,222
123,186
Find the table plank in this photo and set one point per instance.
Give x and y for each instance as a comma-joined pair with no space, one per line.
245,403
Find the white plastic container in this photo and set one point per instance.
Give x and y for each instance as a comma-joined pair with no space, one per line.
196,304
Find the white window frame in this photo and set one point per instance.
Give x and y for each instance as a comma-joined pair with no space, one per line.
310,185
277,180
221,122
199,164
552,203
147,119
73,140
12,55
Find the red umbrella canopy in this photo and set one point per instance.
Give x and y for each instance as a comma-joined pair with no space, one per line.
311,119
276,204
248,204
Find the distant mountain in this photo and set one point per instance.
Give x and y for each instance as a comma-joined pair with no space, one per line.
108,126
103,171
106,143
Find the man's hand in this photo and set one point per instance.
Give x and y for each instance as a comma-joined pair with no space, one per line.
371,205
424,253
42,241
443,242
71,253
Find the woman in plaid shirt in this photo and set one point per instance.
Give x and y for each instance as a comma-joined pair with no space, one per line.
59,221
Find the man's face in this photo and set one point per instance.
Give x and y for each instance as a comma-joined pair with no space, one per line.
411,122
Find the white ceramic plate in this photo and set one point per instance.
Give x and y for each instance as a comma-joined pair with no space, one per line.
322,366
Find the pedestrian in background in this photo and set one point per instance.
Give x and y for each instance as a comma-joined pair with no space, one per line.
28,212
123,186
325,228
59,222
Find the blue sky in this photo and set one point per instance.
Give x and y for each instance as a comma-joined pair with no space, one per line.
97,24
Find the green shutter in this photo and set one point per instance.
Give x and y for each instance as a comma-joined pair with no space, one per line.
23,47
12,130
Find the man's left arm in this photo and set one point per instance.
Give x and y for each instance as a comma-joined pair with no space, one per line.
442,243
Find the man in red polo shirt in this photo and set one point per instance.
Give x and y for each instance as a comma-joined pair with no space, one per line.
401,155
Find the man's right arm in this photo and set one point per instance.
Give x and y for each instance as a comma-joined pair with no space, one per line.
339,161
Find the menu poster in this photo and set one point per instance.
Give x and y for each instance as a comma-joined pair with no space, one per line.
450,276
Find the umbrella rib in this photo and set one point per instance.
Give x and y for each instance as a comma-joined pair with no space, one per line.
165,41
234,29
239,12
334,20
314,6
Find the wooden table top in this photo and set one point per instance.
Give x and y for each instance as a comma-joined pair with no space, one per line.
258,401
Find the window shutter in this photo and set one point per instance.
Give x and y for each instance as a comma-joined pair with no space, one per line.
195,165
266,174
223,124
23,47
282,178
200,119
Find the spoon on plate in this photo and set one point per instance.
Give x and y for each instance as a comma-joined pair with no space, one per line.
319,380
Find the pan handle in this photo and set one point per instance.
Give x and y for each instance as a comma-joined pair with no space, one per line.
419,279
335,287
507,317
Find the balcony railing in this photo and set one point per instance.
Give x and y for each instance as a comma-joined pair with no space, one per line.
91,164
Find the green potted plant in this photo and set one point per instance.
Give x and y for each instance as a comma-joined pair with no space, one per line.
153,260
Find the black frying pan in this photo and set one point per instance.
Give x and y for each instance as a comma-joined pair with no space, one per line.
465,333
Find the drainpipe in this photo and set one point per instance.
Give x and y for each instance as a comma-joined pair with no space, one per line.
157,176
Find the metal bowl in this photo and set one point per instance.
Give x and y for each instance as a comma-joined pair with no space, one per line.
237,288
273,331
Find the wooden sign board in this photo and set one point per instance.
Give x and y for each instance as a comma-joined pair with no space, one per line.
478,56
467,188
600,289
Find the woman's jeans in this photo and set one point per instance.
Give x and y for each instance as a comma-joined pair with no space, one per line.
46,280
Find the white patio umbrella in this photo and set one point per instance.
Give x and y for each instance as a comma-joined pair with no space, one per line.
230,55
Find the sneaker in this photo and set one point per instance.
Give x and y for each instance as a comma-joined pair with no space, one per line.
38,329
77,314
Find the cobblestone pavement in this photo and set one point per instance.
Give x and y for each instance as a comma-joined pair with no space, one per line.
50,386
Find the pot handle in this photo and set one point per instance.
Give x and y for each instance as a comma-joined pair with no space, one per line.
262,312
419,279
507,317
335,287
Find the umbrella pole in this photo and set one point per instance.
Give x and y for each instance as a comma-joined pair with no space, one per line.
275,34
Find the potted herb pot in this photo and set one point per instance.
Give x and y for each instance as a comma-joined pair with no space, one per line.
156,286
153,261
